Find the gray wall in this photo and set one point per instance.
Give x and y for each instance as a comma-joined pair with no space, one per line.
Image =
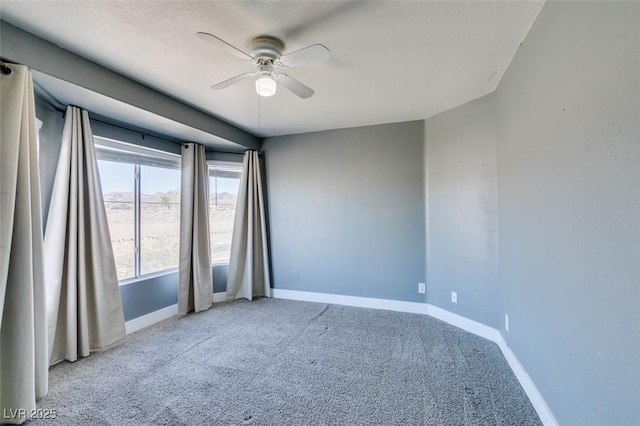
568,118
462,230
346,211
148,295
219,274
562,135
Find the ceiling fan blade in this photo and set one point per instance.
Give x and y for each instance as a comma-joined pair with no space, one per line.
314,53
295,86
231,49
234,80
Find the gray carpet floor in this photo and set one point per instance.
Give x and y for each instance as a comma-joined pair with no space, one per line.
280,362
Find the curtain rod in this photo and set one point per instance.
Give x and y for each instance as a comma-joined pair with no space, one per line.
48,102
135,131
160,137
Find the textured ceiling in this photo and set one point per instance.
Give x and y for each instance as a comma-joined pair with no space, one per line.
391,61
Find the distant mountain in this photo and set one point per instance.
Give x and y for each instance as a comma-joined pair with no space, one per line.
223,198
172,196
119,197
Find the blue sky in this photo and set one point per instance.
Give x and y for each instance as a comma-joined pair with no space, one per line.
118,177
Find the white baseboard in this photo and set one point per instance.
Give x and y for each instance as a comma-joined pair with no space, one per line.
541,407
464,323
479,329
360,302
148,320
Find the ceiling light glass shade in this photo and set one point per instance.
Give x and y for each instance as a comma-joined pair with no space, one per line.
266,85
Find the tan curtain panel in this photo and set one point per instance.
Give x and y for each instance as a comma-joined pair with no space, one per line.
195,290
23,338
84,309
249,275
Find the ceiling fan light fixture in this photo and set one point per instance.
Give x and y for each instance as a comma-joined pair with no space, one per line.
266,84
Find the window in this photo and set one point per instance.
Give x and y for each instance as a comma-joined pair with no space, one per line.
39,124
224,181
141,191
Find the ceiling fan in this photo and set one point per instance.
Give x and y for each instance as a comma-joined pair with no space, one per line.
266,54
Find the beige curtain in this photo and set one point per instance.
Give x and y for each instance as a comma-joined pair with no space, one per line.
84,309
195,292
23,339
249,263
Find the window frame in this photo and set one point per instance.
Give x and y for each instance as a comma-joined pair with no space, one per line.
137,151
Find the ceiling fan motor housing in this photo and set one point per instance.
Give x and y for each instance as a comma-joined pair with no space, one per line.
266,48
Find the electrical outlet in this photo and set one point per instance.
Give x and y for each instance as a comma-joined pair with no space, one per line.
454,297
506,322
422,288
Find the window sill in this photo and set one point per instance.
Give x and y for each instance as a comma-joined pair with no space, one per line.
145,277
